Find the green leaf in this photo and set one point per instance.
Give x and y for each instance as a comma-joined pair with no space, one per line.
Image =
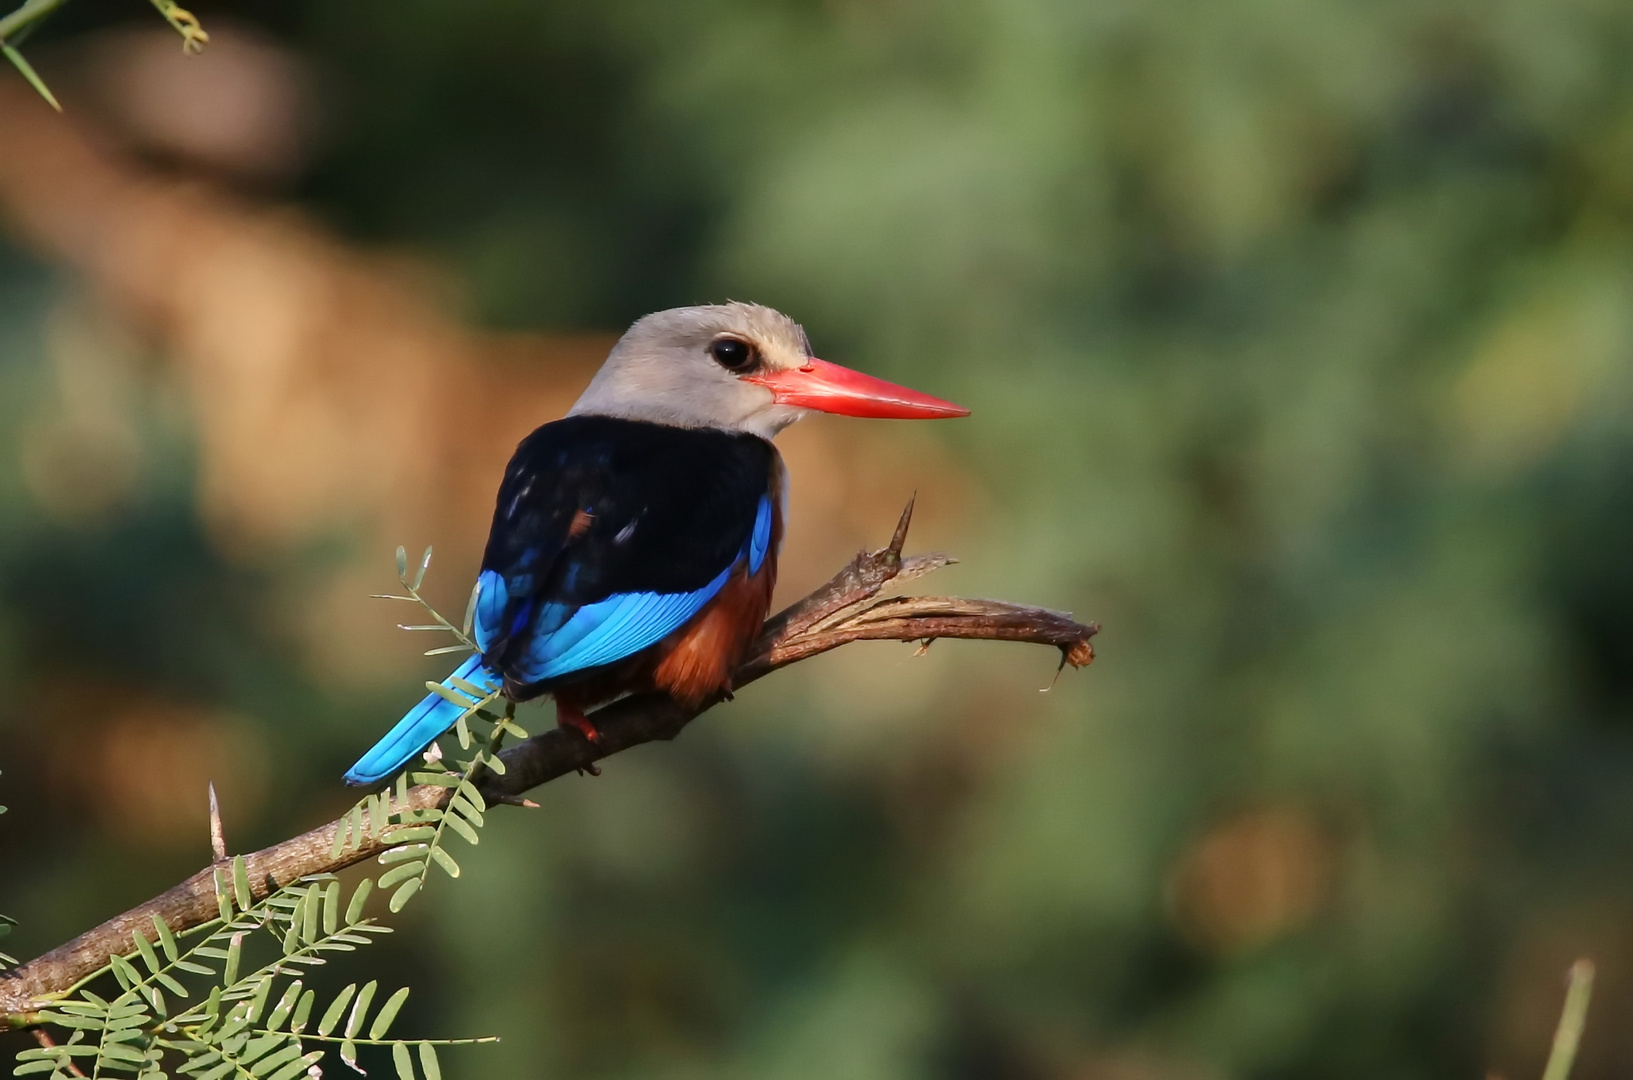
475,692
441,857
428,1062
387,1013
290,1049
494,762
403,895
28,73
348,1054
412,833
34,1067
193,968
286,1005
470,609
240,884
299,1067
331,907
167,940
341,832
313,914
354,910
402,562
170,984
257,1047
223,905
407,851
218,1072
124,972
303,1011
462,827
401,872
331,1016
235,953
439,779
360,1008
404,1063
449,694
257,1003
463,728
145,948
444,650
467,810
425,564
292,937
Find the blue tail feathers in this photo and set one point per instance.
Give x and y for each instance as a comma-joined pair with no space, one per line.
414,732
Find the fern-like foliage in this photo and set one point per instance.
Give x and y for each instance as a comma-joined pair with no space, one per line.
227,998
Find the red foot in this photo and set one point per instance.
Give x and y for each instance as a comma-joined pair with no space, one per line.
570,717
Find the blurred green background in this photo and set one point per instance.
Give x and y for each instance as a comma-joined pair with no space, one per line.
1299,339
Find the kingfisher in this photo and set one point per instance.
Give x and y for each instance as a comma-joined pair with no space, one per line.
634,541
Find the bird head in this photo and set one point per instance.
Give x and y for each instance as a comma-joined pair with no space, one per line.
737,367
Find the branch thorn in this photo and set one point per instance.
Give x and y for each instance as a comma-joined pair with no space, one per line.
894,551
218,836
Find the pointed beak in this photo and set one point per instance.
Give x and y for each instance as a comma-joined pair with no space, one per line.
830,388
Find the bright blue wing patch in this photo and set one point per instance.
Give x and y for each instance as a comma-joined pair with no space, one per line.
611,629
759,542
491,598
565,639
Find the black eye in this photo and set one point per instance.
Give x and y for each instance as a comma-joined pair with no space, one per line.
734,354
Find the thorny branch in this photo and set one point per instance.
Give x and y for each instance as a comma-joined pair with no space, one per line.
848,608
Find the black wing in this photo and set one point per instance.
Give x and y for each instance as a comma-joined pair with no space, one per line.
609,534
